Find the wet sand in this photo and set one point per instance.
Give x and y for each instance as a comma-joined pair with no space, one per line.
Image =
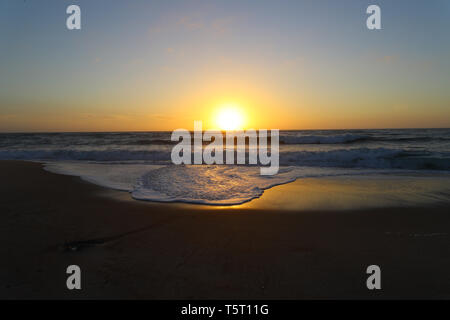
260,250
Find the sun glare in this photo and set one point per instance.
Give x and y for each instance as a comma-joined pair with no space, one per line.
229,118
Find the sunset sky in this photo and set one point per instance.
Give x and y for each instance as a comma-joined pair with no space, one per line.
160,65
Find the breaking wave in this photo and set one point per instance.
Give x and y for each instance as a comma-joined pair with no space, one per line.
377,158
312,139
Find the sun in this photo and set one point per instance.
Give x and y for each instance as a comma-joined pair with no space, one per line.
229,117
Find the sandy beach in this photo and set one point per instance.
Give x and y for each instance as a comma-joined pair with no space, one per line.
132,249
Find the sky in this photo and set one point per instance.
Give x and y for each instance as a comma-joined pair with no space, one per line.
159,65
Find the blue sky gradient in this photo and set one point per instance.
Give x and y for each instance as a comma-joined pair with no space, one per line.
158,65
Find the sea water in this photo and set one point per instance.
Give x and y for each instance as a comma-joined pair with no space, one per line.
139,162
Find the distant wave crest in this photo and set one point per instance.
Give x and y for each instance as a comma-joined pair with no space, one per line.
313,139
376,158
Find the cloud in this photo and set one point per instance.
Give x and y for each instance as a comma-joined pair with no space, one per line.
194,23
388,59
190,23
222,26
159,116
8,116
154,30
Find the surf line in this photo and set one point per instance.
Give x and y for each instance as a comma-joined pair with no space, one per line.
212,153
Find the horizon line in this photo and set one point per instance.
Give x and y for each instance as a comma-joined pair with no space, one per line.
142,131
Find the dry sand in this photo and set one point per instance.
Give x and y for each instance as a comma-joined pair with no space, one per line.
132,249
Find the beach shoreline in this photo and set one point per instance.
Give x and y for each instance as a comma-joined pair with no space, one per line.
134,249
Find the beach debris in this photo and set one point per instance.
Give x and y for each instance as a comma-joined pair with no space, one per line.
79,245
417,235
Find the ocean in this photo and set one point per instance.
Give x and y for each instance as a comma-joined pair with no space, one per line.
139,162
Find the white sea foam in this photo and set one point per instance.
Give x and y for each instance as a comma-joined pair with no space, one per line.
207,184
203,184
